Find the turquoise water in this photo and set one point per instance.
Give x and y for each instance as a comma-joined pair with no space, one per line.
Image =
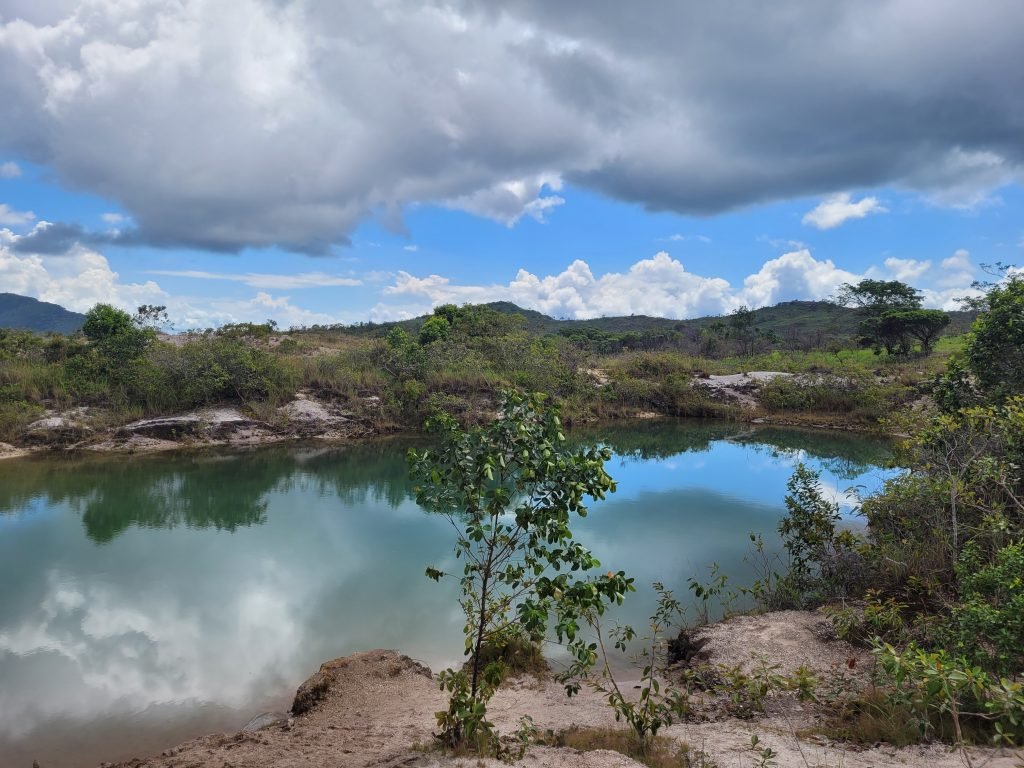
151,599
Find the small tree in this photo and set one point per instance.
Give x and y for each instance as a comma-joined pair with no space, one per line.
995,352
819,553
881,304
119,341
741,328
875,297
510,489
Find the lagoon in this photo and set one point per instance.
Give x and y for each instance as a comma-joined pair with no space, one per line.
151,599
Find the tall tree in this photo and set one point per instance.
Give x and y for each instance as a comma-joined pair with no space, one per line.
892,318
875,297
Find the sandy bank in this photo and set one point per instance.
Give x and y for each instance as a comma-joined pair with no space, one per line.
376,709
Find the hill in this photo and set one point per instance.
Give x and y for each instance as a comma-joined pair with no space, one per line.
820,320
30,314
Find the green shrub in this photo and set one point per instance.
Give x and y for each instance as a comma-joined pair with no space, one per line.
987,624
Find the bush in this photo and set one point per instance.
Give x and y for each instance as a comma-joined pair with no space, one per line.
823,562
987,625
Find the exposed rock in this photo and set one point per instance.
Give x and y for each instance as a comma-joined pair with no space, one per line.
266,720
306,415
311,692
740,387
208,423
684,648
58,428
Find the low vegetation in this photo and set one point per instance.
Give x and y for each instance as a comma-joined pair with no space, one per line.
459,359
932,586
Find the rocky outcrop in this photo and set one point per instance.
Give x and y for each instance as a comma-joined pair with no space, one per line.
57,428
308,417
205,424
740,388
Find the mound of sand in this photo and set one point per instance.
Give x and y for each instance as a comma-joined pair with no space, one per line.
377,709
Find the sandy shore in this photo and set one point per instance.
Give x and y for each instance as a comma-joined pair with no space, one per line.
376,709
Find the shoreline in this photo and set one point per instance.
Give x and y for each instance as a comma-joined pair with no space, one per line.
254,433
376,708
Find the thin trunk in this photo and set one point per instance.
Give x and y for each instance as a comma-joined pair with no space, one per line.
481,623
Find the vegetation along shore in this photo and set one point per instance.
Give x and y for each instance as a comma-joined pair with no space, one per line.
903,641
120,383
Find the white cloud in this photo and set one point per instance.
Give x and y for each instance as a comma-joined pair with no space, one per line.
113,218
82,277
9,170
656,286
840,208
410,248
907,270
958,270
508,201
76,280
282,282
661,286
12,218
792,276
292,128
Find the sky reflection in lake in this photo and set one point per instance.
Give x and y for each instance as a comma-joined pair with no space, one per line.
151,599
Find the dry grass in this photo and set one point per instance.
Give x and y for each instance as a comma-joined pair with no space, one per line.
659,752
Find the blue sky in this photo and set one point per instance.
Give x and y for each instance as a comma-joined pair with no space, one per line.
341,162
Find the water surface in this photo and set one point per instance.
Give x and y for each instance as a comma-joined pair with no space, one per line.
151,599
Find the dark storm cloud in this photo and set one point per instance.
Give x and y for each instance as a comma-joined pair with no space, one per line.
59,238
315,115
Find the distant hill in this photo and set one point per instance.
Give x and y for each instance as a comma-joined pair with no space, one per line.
800,318
33,315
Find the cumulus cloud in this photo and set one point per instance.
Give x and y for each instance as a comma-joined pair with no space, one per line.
81,277
792,276
906,270
9,170
840,208
661,286
292,128
12,218
77,279
509,201
656,286
957,270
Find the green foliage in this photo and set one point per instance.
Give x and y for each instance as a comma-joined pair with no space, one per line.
942,690
896,330
822,559
987,625
510,489
892,316
995,352
117,340
838,394
876,297
435,328
658,704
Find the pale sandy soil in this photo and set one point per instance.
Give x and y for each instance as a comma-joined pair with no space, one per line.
741,387
8,451
376,709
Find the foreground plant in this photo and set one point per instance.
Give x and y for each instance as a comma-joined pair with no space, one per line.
510,489
657,705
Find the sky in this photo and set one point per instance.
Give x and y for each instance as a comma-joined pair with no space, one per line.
340,161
